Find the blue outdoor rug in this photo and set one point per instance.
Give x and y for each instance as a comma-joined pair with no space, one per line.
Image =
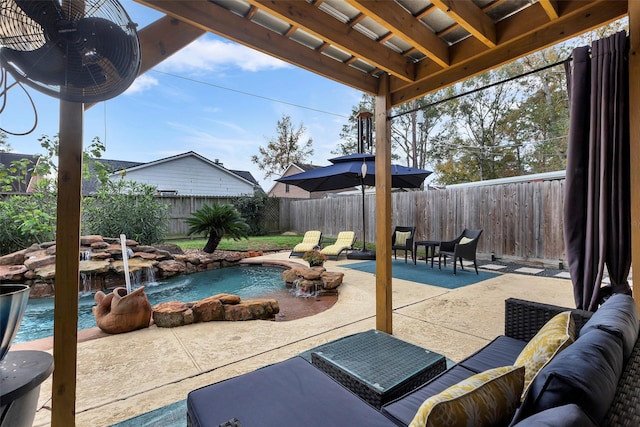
422,273
173,415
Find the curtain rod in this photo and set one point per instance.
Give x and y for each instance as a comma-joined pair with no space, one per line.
433,104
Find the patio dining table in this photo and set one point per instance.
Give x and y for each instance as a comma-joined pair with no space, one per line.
430,250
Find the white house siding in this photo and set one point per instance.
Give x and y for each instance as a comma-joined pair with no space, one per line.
189,176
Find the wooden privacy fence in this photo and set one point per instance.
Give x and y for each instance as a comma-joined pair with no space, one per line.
521,221
181,208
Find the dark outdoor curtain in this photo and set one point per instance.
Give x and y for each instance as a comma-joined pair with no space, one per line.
597,217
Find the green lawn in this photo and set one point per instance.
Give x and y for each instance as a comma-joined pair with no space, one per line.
257,243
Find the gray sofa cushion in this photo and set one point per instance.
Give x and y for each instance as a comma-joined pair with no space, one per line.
586,373
562,416
502,351
403,410
291,393
619,316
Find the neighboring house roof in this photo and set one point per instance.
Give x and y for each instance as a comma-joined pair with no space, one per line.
90,185
136,169
246,175
293,169
24,184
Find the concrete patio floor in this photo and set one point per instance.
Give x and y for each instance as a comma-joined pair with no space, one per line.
121,376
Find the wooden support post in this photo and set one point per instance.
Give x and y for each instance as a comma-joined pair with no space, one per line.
384,304
634,133
65,317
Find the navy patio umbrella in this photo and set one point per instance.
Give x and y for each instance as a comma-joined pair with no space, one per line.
352,170
346,171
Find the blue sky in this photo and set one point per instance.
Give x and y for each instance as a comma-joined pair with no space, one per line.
162,115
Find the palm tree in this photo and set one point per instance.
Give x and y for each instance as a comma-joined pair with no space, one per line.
219,221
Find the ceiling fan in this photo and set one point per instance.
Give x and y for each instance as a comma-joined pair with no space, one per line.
75,50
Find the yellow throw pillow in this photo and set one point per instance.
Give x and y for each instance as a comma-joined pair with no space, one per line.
556,335
401,237
464,241
486,399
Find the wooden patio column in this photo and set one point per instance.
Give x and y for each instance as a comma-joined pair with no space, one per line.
384,305
634,132
65,315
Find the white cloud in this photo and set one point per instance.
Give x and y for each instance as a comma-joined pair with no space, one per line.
141,84
207,54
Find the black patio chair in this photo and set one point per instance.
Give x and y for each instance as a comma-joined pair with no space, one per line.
462,247
402,239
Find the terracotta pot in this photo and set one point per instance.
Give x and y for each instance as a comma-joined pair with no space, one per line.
120,312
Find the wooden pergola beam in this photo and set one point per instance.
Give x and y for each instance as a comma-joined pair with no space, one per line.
471,18
65,314
470,57
218,20
406,27
384,303
341,35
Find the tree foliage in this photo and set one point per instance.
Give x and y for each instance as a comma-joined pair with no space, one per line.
498,124
286,148
25,220
252,209
126,207
218,221
29,219
4,143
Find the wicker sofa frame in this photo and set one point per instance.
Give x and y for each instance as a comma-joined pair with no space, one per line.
523,319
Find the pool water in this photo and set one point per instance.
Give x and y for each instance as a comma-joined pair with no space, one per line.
244,281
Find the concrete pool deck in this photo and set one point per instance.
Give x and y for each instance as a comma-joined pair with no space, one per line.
122,376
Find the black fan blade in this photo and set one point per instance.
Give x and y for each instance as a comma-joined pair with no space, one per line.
107,41
50,66
47,13
45,65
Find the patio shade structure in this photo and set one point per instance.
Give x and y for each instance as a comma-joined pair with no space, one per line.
395,50
346,171
352,170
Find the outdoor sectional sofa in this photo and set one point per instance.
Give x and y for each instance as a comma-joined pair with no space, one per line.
593,381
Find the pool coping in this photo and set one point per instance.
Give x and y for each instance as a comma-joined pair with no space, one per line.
46,344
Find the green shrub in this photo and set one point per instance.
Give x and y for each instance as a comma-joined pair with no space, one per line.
25,220
252,209
126,207
218,221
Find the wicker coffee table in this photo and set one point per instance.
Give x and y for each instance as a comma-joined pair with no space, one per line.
377,366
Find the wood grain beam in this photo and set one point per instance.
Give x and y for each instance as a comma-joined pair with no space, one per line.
218,20
471,18
551,8
161,39
325,27
405,26
384,288
65,313
164,37
578,17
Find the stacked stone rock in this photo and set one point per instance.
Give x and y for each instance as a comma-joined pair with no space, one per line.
312,280
101,263
217,307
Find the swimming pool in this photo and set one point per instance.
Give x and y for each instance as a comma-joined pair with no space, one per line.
244,281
